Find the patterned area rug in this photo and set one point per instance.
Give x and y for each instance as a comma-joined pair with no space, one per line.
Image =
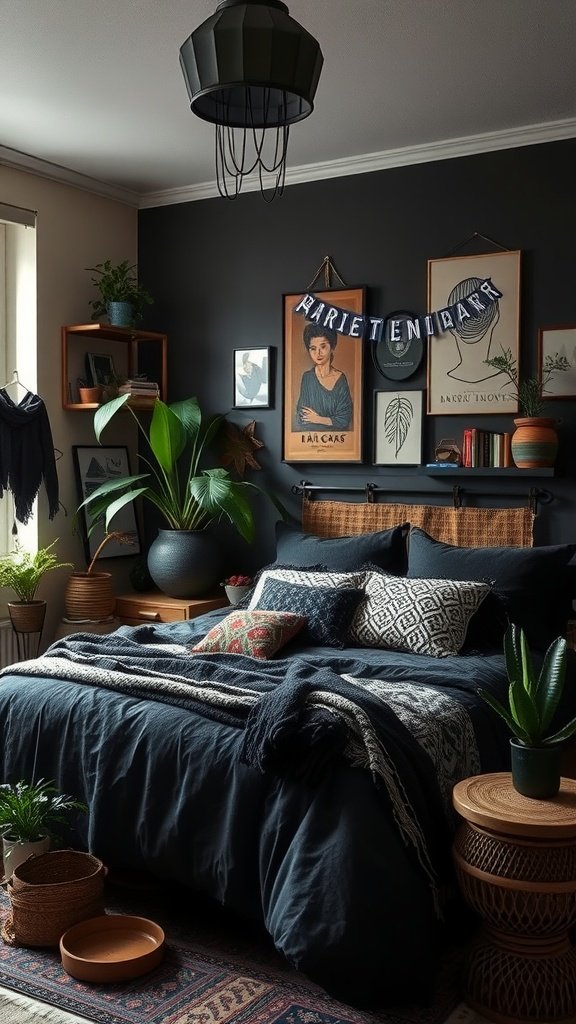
217,970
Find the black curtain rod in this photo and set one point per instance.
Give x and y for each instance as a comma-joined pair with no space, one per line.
535,495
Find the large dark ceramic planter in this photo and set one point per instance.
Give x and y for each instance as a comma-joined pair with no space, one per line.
185,563
536,770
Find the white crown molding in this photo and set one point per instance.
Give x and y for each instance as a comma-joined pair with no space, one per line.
528,135
46,169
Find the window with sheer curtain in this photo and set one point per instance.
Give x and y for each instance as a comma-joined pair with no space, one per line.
17,337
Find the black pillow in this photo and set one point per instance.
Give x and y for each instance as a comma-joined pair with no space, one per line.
385,549
530,586
328,610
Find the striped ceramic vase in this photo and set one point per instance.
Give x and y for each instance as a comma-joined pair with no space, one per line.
534,442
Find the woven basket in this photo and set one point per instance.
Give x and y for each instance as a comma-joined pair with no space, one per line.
50,893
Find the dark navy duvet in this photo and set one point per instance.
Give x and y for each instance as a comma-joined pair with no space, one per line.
321,864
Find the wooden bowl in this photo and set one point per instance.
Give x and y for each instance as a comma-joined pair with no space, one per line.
113,947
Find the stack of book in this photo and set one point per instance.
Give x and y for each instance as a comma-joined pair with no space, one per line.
138,387
486,449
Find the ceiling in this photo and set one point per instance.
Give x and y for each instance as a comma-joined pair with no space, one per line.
91,91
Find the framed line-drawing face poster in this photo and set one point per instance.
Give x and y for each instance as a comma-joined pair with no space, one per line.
552,342
323,379
94,465
397,428
459,380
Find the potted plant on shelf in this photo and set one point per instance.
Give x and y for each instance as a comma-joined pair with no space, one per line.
30,816
535,441
22,572
533,699
121,298
185,559
89,596
237,587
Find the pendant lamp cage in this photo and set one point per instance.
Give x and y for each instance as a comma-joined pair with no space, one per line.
252,71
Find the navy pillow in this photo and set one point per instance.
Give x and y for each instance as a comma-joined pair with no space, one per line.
328,610
530,586
385,549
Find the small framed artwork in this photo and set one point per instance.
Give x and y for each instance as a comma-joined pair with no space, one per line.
553,342
94,465
100,368
398,428
474,309
323,360
252,378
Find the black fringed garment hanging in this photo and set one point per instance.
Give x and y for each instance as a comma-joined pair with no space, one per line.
26,453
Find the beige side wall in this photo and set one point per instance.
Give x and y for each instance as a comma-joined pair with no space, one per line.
75,229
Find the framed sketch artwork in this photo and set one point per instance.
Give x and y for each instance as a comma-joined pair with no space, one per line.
252,377
558,341
397,428
94,465
323,376
476,300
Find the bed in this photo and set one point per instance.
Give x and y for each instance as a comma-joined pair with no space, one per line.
301,776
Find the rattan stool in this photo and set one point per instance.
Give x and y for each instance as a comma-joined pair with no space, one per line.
516,866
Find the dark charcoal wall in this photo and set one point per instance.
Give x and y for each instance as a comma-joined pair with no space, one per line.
218,271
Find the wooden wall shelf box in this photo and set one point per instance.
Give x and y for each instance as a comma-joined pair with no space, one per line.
78,339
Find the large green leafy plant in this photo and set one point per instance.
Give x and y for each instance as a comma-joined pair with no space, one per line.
187,496
31,811
22,571
533,697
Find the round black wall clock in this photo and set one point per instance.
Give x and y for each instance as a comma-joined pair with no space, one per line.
399,353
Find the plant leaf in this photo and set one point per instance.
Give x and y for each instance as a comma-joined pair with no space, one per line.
502,711
397,420
524,711
167,436
218,495
104,414
551,681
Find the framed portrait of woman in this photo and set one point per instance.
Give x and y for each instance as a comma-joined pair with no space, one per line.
475,302
323,361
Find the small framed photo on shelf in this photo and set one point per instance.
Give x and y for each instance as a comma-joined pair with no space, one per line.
252,378
397,428
100,368
554,342
94,465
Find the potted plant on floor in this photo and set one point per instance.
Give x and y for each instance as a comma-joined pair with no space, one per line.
30,816
533,700
89,596
22,572
121,298
185,560
535,441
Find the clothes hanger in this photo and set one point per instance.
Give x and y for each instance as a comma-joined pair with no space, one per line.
15,380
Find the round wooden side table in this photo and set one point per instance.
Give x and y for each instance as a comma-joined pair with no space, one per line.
516,866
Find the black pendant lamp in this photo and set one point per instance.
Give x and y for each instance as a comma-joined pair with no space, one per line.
251,70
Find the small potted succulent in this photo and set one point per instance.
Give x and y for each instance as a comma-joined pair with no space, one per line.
30,816
237,587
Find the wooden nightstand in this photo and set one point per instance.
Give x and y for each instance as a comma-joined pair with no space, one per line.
516,866
153,606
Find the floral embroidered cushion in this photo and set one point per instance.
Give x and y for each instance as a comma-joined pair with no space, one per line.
258,634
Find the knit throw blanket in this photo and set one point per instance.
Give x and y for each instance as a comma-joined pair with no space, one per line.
296,719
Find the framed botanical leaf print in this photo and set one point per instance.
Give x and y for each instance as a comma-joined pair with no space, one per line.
397,428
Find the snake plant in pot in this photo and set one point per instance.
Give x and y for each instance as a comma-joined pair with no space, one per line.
185,560
533,700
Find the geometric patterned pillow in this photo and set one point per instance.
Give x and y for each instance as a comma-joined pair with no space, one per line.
258,634
305,578
328,610
418,615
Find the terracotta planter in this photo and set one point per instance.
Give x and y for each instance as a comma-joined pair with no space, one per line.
90,395
89,596
534,442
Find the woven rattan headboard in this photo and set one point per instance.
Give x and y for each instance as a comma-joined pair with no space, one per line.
465,527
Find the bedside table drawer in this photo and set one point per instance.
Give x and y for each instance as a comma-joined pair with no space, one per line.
133,609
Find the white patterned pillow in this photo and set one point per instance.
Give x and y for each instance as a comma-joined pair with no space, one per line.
422,616
306,579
